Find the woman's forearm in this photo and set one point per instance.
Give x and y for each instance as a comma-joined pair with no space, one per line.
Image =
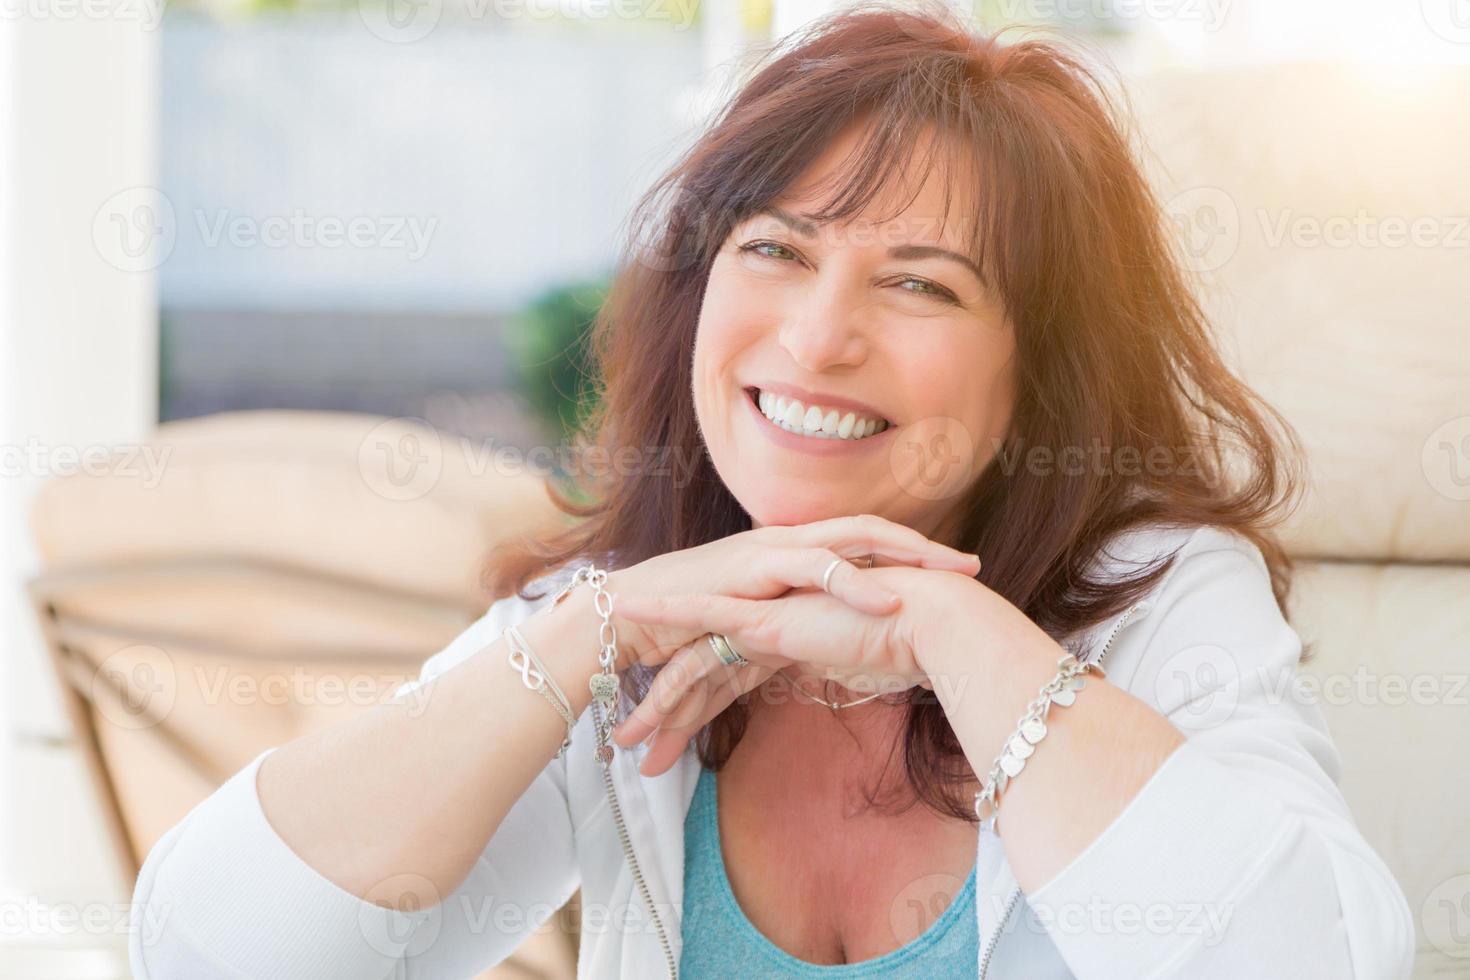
413,790
1102,749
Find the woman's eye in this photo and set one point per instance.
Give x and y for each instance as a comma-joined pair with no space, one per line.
924,287
771,250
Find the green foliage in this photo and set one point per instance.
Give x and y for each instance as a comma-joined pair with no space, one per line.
550,340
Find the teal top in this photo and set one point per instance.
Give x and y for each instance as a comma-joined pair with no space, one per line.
720,942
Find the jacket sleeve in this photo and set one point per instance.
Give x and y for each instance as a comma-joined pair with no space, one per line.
222,895
1239,857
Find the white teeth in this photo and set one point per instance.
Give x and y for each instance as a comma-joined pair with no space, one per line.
814,421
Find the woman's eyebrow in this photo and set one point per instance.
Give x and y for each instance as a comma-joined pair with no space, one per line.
935,252
808,228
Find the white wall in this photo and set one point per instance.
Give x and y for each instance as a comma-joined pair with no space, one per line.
77,344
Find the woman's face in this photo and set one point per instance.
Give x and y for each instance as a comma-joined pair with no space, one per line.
861,367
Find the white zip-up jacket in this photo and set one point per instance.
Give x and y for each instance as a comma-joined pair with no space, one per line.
1238,858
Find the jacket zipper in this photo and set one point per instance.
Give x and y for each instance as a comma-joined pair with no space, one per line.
627,844
1015,897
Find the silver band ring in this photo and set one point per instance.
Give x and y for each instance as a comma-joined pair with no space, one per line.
827,575
727,653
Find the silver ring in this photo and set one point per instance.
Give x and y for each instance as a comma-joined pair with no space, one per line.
827,575
727,653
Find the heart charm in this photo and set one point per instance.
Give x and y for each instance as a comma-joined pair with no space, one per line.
1033,731
604,755
1066,697
1020,748
1010,765
604,688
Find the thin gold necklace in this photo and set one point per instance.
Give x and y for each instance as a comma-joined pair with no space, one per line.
835,705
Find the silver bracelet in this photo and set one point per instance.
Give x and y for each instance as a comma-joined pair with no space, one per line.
1060,690
536,677
604,684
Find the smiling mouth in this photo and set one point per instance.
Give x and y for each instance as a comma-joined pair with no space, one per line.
815,421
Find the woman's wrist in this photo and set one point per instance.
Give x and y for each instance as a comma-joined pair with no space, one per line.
564,636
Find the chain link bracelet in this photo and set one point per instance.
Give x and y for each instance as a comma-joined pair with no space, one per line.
1060,690
604,684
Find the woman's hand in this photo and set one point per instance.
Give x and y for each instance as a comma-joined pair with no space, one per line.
864,650
768,562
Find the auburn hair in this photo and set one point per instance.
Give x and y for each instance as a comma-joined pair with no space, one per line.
1114,349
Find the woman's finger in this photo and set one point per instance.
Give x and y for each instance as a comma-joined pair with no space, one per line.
670,691
669,743
701,613
808,568
864,534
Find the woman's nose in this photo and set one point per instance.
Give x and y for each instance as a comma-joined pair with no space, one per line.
827,329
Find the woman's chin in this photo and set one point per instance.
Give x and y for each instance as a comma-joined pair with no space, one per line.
787,506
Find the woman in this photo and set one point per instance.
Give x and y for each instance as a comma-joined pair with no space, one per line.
908,302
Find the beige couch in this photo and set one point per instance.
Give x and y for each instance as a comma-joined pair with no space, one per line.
1295,192
287,570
